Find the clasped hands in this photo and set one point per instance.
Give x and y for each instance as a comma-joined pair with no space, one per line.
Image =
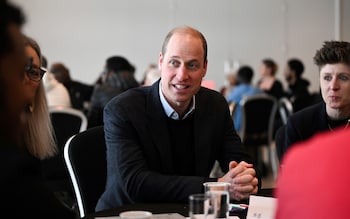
242,179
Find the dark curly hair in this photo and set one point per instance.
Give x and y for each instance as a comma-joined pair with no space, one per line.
297,66
333,52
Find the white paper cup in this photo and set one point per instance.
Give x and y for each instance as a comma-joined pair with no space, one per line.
135,215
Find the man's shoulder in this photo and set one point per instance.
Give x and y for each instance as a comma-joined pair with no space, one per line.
212,98
209,93
133,96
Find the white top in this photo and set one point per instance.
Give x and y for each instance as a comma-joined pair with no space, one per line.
56,93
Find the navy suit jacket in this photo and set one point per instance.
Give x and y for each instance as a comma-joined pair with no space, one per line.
305,123
140,165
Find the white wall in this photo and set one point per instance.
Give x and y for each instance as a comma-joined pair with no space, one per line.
84,33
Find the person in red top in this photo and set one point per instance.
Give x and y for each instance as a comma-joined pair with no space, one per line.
318,188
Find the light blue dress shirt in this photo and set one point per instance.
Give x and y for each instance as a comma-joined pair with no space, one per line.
169,111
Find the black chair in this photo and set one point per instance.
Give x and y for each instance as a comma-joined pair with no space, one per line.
85,158
66,122
258,115
285,109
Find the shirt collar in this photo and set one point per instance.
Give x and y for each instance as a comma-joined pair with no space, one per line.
169,111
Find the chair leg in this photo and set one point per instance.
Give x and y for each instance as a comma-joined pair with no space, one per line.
273,160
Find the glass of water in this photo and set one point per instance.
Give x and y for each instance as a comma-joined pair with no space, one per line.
202,206
221,191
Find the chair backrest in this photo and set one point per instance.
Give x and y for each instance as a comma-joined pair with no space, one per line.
285,109
258,114
66,122
85,158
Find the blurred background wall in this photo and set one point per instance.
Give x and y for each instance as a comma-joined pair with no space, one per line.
84,33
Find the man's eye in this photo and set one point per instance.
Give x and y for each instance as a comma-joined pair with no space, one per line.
174,63
192,65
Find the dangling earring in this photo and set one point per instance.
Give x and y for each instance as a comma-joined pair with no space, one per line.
31,107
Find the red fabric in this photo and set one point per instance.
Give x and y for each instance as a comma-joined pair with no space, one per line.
314,179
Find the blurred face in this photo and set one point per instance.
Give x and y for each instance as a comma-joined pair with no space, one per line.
335,86
264,70
15,96
288,73
231,79
12,65
30,84
182,69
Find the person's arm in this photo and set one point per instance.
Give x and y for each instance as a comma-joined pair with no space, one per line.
240,173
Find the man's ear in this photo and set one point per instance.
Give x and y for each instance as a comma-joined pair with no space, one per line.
160,61
205,68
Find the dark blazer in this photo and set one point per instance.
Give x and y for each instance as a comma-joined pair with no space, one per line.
305,123
139,159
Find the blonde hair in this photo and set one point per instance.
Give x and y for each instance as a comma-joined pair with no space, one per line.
39,136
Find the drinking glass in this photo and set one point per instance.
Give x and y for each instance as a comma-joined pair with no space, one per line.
202,206
221,191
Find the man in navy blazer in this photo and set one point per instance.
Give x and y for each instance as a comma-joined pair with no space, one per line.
162,140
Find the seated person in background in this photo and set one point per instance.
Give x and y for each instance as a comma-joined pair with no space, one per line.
151,76
162,140
243,88
117,78
297,92
149,68
318,189
22,190
80,93
56,93
333,60
230,83
268,81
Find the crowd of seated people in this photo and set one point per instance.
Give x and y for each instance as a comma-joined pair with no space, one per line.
148,128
